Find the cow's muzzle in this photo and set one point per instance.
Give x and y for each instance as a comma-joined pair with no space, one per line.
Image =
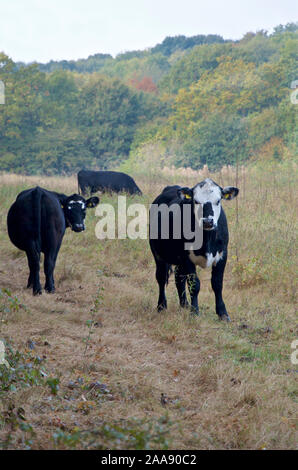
78,227
208,223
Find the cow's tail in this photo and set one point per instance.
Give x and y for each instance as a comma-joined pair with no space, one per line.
36,206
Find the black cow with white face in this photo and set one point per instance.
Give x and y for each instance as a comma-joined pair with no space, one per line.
207,215
36,223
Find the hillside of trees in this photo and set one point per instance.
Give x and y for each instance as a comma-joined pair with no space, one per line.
194,101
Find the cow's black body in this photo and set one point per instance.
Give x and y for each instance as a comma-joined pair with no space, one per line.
106,181
172,251
36,223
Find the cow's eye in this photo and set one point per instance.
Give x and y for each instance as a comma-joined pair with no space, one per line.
218,202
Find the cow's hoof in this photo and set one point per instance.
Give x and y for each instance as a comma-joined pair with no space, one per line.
225,317
50,291
194,312
37,292
161,307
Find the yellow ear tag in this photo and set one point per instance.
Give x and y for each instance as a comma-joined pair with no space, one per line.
187,196
227,196
62,206
89,204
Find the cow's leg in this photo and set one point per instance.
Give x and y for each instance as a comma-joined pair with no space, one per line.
33,256
86,191
30,280
49,266
180,281
193,283
83,189
162,270
217,282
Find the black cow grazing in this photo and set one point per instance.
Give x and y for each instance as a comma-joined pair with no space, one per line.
205,214
106,181
36,223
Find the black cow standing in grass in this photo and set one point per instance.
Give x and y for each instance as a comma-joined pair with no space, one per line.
106,181
205,214
36,223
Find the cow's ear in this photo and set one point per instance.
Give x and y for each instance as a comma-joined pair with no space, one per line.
185,194
229,192
92,202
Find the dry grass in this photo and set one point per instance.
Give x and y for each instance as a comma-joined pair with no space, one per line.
226,386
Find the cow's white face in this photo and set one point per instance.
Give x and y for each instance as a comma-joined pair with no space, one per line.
206,197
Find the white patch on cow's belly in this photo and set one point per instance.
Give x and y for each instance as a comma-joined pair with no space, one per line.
207,260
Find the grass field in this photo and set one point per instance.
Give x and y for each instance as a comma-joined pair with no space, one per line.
95,365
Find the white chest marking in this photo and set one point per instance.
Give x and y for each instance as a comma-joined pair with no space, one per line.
207,260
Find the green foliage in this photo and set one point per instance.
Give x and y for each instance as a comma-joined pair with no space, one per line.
216,141
108,113
257,48
93,63
153,65
134,434
53,383
289,27
172,44
25,371
57,124
21,371
9,303
201,99
191,66
229,114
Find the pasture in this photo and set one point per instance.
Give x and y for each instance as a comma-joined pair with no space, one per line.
95,365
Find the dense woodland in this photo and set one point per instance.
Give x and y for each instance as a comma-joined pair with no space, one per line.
186,102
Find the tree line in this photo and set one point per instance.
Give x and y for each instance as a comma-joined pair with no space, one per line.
200,100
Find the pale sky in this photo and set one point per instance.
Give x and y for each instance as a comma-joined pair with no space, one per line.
40,30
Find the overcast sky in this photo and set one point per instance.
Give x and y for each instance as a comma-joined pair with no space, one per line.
40,30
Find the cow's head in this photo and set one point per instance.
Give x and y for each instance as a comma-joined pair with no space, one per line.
206,198
74,208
